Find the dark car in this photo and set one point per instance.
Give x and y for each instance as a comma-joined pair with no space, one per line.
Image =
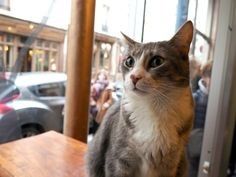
32,104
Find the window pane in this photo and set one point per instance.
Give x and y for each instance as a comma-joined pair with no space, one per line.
23,39
202,16
10,38
156,27
39,43
5,4
1,37
46,61
53,59
54,45
47,44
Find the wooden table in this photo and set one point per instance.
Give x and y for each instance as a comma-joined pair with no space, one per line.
47,155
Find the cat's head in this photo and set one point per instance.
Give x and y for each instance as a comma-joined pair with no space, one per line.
157,66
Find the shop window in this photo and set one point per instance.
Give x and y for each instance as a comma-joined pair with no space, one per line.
10,38
39,43
46,61
52,63
101,61
6,57
38,60
1,37
9,56
2,68
23,39
54,45
47,44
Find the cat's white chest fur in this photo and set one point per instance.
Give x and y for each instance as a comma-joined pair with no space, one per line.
153,134
152,128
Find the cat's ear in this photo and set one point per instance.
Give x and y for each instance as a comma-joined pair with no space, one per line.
128,40
183,38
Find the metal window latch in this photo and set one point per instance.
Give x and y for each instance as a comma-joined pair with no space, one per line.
206,167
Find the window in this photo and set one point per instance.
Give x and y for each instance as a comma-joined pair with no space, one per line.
6,51
10,38
49,90
47,44
5,4
38,54
52,63
23,39
106,10
199,14
1,37
54,45
39,43
46,61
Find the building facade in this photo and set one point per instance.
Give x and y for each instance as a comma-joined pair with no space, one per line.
43,45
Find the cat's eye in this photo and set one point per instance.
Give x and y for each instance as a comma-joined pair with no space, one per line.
129,62
156,61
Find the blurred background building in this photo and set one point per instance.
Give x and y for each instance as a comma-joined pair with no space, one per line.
141,20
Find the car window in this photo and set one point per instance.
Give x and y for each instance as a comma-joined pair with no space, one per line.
48,90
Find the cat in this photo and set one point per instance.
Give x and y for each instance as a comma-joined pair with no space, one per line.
144,135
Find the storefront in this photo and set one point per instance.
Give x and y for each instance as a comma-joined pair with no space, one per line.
43,45
107,54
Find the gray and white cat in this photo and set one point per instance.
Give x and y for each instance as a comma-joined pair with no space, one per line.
145,134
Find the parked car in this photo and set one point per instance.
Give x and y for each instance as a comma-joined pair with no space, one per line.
32,104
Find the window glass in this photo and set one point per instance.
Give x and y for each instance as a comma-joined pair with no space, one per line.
52,63
46,61
54,45
5,4
202,16
1,37
10,38
47,44
23,39
37,68
39,42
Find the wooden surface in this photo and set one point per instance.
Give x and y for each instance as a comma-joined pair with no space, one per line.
47,155
79,57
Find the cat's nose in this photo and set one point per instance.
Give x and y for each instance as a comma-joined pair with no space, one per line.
135,78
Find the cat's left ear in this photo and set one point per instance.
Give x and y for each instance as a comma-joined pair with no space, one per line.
183,38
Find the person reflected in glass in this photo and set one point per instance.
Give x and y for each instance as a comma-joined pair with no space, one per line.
104,102
98,85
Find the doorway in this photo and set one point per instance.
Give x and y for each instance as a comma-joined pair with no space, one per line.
27,59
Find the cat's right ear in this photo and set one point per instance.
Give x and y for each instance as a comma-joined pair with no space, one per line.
128,40
182,39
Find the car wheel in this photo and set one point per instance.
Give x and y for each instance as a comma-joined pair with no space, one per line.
31,130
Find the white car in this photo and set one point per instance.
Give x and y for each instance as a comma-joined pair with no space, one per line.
32,104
